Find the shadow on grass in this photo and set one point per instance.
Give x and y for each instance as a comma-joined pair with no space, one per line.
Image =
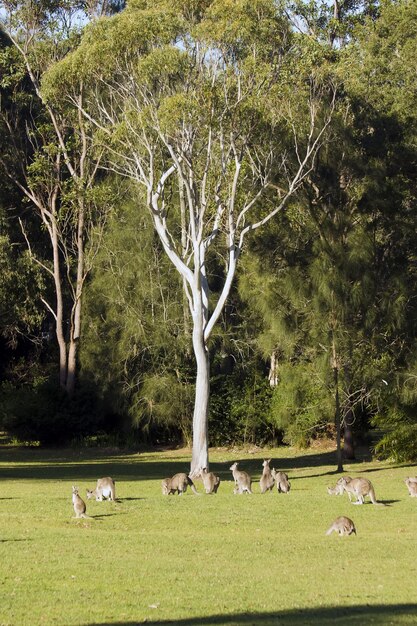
90,464
349,616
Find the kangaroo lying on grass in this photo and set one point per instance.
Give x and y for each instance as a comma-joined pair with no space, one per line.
79,504
411,486
243,482
211,482
178,482
338,490
105,489
281,481
360,487
267,481
343,526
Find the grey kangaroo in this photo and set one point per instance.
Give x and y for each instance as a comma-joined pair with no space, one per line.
79,504
281,481
343,526
338,490
360,487
267,481
411,486
178,483
243,482
211,482
105,489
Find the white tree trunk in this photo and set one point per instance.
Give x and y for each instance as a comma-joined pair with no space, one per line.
201,405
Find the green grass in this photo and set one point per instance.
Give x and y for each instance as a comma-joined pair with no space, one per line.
219,559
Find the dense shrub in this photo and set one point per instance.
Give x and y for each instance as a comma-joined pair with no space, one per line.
44,413
240,411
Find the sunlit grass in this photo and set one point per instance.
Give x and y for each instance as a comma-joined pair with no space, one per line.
218,559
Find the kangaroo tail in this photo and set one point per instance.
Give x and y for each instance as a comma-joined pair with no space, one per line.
373,498
192,487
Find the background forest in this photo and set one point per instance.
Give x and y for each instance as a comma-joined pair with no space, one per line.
320,324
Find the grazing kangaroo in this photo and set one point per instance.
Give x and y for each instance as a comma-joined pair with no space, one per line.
267,481
360,487
411,486
105,489
343,526
337,490
211,482
281,481
178,482
243,482
79,504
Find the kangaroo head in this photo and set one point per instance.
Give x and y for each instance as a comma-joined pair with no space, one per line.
89,494
234,466
75,490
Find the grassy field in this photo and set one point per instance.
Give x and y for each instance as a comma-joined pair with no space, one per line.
215,559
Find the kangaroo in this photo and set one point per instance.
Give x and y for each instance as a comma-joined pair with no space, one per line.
105,489
267,481
211,482
343,526
360,487
411,486
243,482
178,482
337,490
79,504
281,481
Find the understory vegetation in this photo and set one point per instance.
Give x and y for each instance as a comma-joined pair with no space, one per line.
208,212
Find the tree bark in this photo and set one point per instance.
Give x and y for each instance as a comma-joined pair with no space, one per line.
201,404
348,446
337,419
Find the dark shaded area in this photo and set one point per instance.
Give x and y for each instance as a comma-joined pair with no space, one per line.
355,615
89,464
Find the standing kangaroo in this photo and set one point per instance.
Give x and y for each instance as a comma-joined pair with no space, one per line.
178,483
79,504
411,486
211,482
267,481
243,482
343,526
360,487
337,490
281,481
105,489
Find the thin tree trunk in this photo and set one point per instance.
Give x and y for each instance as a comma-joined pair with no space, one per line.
59,316
273,369
76,317
337,419
348,445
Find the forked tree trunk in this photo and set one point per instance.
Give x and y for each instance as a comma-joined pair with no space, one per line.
75,331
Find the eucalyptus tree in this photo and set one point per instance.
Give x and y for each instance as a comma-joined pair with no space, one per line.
49,157
206,107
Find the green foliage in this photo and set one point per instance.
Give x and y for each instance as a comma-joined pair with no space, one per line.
163,404
240,410
399,441
43,413
301,405
20,290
